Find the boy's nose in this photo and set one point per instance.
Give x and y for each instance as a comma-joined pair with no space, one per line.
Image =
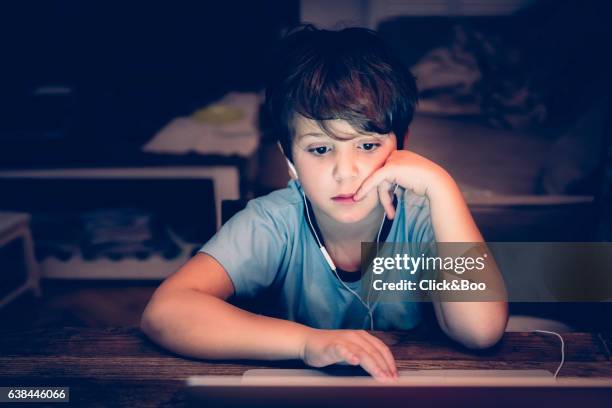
345,167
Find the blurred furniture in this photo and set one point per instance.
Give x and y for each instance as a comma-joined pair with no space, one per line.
226,178
534,218
181,201
15,226
121,367
231,207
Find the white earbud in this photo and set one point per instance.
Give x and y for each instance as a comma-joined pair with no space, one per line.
292,169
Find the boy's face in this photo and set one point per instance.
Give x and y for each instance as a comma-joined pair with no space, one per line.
331,170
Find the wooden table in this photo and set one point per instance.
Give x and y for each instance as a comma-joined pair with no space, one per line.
120,366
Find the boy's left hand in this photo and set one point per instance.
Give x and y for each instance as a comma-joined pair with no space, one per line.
407,169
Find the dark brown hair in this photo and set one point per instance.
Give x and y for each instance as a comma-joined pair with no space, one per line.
348,74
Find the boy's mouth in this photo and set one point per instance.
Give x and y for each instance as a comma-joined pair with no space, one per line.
344,198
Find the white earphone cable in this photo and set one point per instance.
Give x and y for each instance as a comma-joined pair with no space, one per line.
331,264
333,267
562,348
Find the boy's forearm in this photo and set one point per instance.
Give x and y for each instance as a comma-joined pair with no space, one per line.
450,215
198,325
474,324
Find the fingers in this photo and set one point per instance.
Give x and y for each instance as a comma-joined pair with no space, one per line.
354,354
368,361
380,175
354,347
368,352
384,351
384,192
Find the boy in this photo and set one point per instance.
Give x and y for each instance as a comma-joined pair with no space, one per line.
341,106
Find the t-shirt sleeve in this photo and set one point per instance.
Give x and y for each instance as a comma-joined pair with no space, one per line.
250,247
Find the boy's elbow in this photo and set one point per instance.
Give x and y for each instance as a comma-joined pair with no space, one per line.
151,321
482,330
483,338
486,335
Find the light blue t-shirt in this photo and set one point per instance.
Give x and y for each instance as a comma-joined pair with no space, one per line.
269,246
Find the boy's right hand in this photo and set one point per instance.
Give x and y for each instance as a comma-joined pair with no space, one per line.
355,347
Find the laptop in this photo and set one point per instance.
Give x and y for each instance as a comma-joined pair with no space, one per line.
432,388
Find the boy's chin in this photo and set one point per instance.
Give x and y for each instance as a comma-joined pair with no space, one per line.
350,217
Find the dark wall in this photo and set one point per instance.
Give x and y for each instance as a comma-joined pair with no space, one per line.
129,62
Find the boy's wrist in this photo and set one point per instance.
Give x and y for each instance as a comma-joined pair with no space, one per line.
440,183
305,336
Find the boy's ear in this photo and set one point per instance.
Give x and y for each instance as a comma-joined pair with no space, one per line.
292,170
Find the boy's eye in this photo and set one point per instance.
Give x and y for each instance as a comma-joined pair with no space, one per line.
369,146
319,151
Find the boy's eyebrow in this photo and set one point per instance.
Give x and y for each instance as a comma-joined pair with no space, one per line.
320,134
315,134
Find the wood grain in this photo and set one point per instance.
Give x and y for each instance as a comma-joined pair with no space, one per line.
120,366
